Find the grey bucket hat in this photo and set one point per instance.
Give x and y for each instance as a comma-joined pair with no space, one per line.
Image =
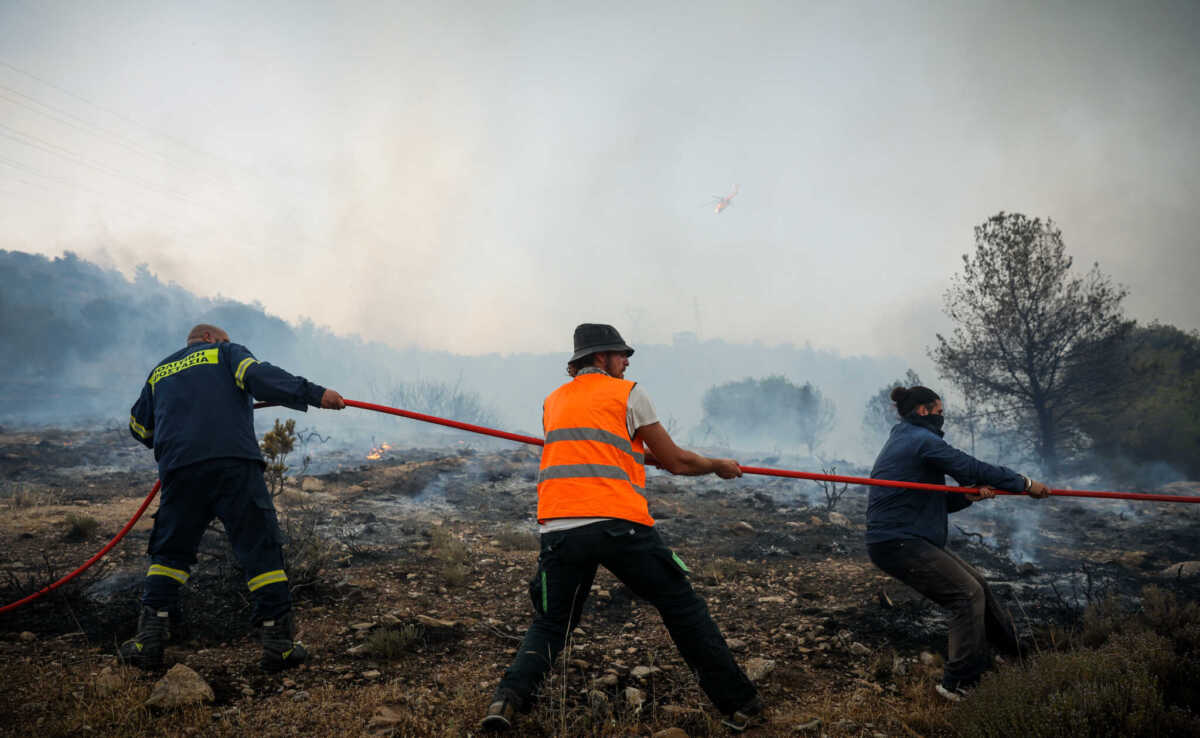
592,338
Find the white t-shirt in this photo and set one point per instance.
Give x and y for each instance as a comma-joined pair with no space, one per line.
639,412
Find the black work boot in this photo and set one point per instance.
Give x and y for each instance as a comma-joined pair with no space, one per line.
279,650
745,716
145,649
502,713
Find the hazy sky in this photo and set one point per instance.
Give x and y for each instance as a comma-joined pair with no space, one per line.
482,176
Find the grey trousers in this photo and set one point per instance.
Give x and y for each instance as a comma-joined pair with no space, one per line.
976,618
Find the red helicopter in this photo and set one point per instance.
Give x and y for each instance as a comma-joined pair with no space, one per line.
724,202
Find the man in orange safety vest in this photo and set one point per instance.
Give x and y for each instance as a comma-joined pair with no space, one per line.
592,511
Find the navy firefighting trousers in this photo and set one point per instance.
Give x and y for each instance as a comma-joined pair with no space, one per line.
234,491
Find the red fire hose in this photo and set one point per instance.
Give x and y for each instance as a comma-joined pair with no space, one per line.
763,471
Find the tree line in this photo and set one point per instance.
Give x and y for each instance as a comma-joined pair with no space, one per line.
1044,364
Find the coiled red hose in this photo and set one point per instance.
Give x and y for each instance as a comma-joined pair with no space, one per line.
482,430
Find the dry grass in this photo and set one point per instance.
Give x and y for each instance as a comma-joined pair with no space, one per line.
452,556
23,496
513,539
80,527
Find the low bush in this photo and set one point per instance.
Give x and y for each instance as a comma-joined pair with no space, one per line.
512,539
452,556
391,643
1137,674
80,527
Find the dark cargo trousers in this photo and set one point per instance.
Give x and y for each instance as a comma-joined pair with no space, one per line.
234,491
976,618
636,555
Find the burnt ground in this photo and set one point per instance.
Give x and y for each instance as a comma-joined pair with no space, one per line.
410,574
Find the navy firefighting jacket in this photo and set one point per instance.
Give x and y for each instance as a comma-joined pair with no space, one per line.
198,404
914,453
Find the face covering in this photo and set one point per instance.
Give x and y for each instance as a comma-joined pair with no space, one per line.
931,421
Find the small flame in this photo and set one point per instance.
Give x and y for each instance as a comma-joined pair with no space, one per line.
378,451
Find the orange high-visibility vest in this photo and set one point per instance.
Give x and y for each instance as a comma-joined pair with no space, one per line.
591,468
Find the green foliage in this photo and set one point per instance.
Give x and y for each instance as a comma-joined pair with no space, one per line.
765,410
392,643
1156,417
1024,325
276,444
1138,674
1114,690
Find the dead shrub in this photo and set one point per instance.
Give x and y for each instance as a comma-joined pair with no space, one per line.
1114,690
721,569
512,539
392,643
22,496
451,554
307,553
80,527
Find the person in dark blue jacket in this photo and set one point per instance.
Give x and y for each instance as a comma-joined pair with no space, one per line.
196,411
906,532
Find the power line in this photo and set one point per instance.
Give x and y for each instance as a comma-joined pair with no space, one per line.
21,166
40,143
66,118
166,137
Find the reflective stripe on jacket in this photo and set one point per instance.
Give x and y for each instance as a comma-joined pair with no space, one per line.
591,468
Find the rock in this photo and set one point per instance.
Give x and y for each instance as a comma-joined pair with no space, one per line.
1181,570
248,691
300,696
384,720
371,674
634,698
736,644
928,659
742,528
841,520
756,668
598,701
670,732
899,666
811,726
431,622
859,649
288,683
362,626
312,484
109,681
608,680
358,650
180,686
389,620
772,600
641,672
678,712
27,636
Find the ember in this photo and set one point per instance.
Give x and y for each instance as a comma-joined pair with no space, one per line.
377,452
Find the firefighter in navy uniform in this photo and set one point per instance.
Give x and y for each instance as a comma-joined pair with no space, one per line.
196,412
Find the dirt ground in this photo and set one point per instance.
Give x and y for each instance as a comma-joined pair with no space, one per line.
413,597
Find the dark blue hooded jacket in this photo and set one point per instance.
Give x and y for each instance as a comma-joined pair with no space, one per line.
198,404
916,453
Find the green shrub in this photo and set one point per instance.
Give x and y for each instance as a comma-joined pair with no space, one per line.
391,643
1113,690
